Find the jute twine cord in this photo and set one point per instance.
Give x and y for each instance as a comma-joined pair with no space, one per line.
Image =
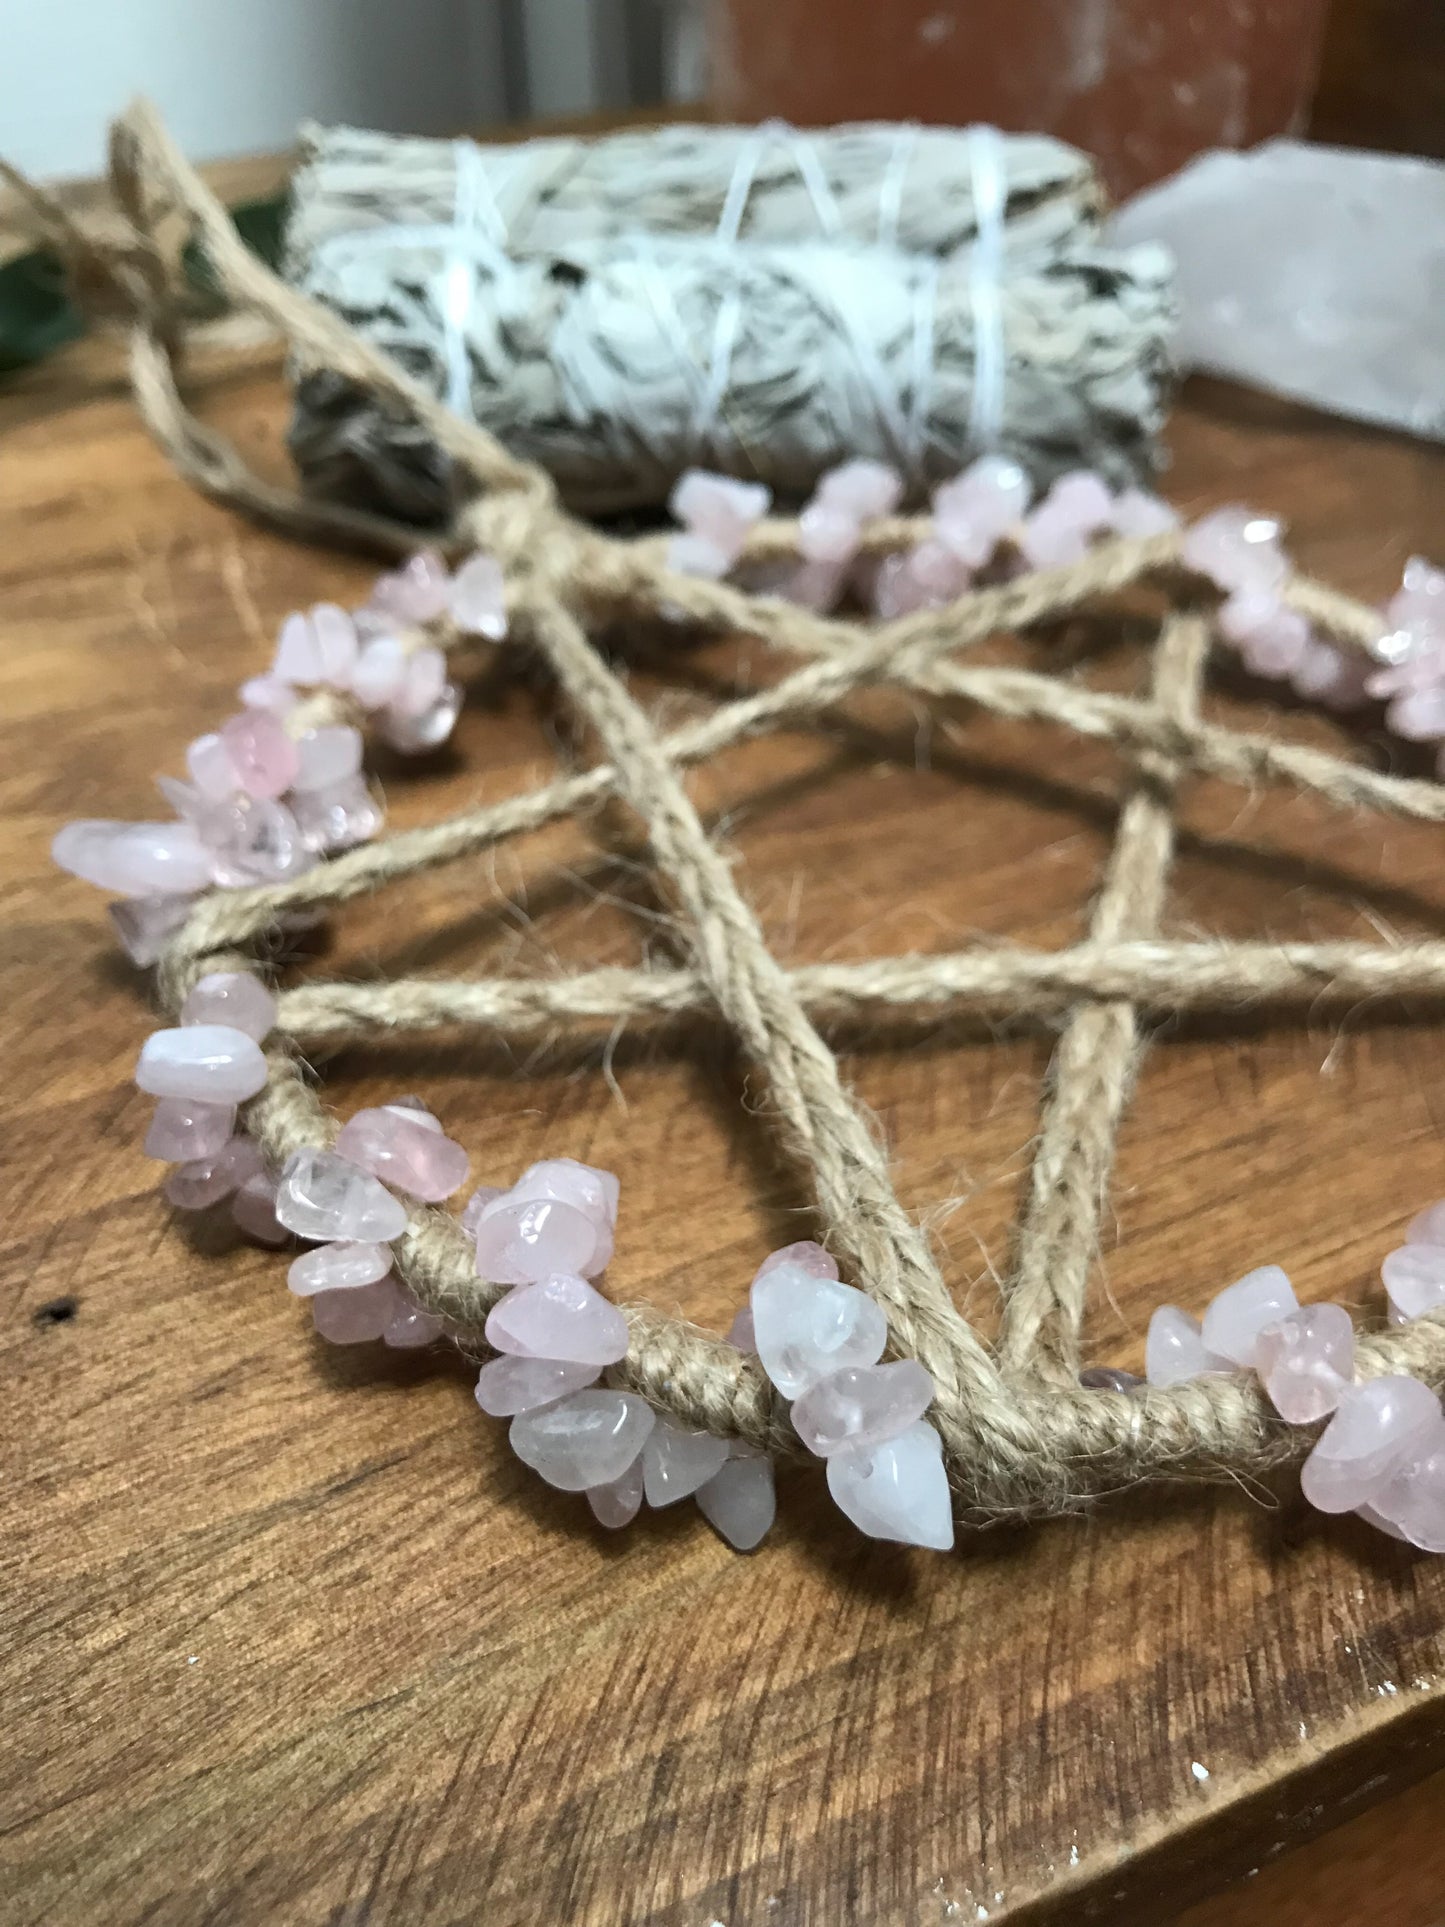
1020,1437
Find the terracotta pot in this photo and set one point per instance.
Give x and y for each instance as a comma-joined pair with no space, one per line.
1140,84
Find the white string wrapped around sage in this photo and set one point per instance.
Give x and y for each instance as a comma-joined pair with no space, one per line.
622,357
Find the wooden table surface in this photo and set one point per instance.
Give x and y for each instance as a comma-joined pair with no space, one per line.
289,1634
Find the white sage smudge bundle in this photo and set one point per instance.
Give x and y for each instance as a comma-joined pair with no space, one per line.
754,301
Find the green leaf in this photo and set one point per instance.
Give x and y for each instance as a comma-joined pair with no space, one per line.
37,316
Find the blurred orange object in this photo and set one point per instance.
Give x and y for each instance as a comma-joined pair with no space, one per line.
1140,84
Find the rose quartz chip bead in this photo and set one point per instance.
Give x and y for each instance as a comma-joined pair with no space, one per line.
357,1315
1272,639
973,513
417,593
134,859
1306,1362
896,1490
1237,550
1174,1349
806,1327
717,515
1078,507
145,925
558,1318
512,1384
477,598
738,1501
805,1254
675,1463
1414,1279
558,1217
214,1062
415,732
317,647
860,489
1412,1503
405,1152
861,1406
205,1181
1376,1427
589,1439
231,997
338,1267
1241,1311
326,1197
1137,514
183,1129
617,1503
338,816
260,751
254,1210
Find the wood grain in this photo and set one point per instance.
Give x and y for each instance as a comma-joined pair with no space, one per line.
290,1637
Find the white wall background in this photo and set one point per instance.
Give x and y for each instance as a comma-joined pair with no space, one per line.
237,76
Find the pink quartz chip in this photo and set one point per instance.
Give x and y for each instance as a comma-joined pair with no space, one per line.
213,1062
145,924
423,684
617,1503
417,593
738,1501
205,1181
1241,1311
479,598
806,1254
1413,1500
183,1129
1138,514
562,1318
380,672
413,735
327,756
718,509
263,755
1236,549
972,513
522,1240
338,1267
323,1196
512,1384
827,534
860,489
740,1331
1414,1278
210,768
409,1326
254,1210
1427,1227
1174,1350
134,859
595,1193
338,817
403,1152
253,839
586,1440
861,1406
675,1462
233,997
1306,1362
355,1317
1376,1427
896,1490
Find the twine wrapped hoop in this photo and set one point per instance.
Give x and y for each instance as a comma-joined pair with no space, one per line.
1020,1437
